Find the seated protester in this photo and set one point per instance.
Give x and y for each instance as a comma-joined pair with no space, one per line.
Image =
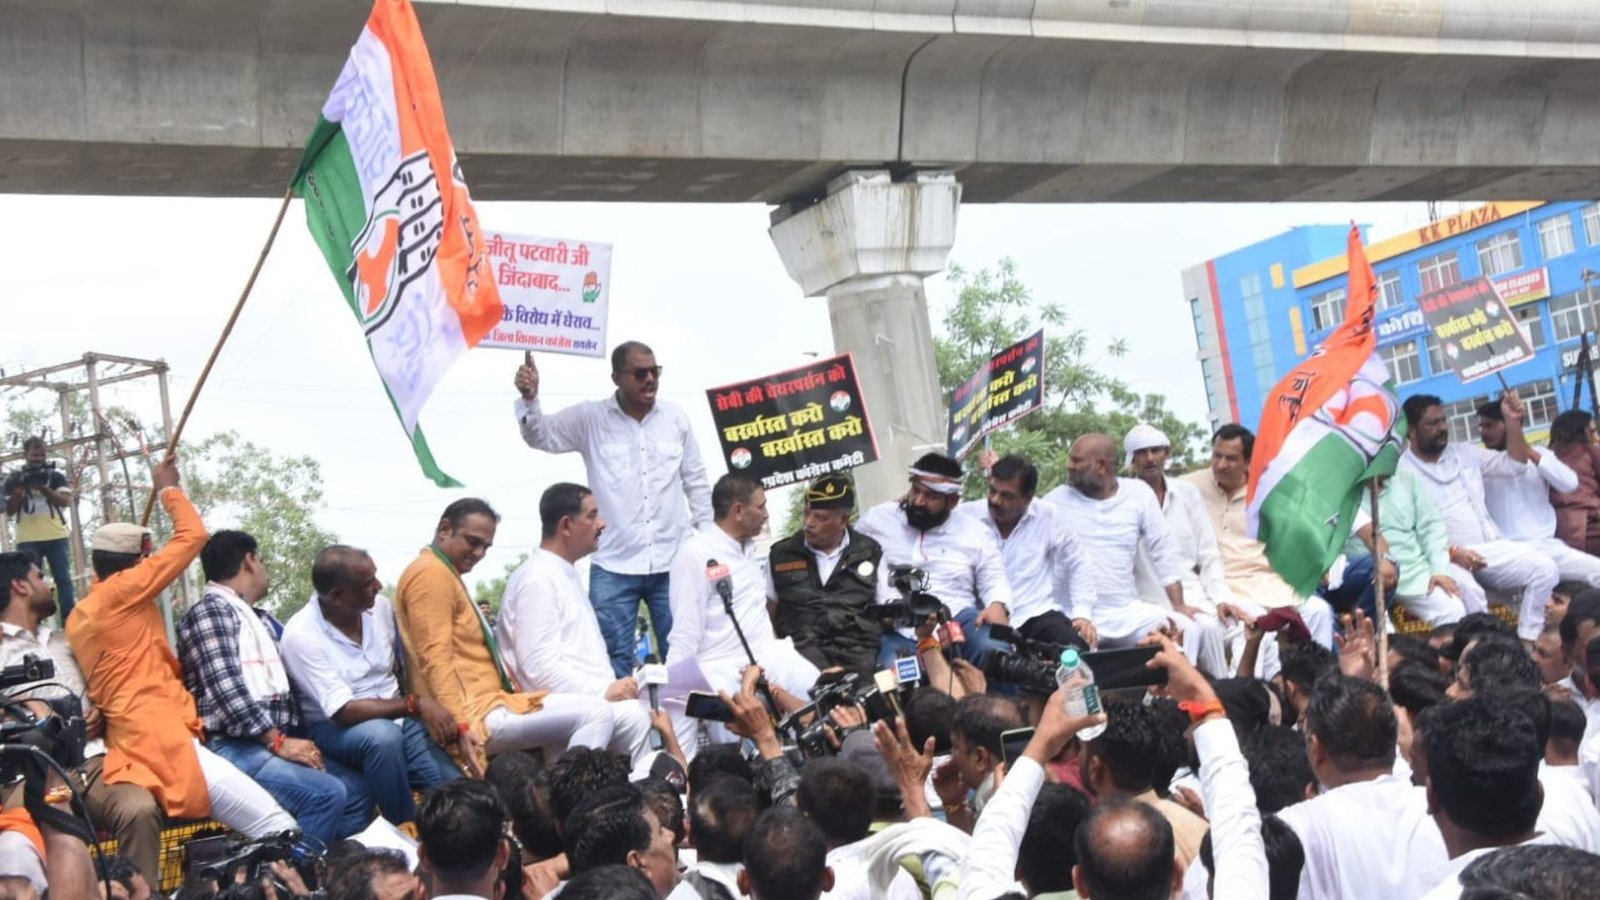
525,790
232,667
452,654
1440,639
119,638
1531,870
461,843
376,874
1280,772
965,567
1426,583
1045,856
548,630
339,650
1494,662
665,801
1404,648
1469,629
1521,504
129,812
966,782
841,798
1123,762
1482,757
822,582
785,858
721,815
1125,851
610,883
718,761
702,630
1368,834
1414,689
615,827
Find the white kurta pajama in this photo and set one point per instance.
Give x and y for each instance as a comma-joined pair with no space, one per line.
1110,531
1455,484
1520,506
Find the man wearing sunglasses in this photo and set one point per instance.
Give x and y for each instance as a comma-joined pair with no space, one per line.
643,464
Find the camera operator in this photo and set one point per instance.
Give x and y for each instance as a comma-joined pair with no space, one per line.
127,811
37,496
823,580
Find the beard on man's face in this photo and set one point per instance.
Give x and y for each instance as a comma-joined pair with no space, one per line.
924,519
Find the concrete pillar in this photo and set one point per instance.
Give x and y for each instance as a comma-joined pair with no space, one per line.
867,247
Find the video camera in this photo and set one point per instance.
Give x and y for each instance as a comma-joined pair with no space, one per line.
232,858
1032,668
61,735
915,604
806,729
37,475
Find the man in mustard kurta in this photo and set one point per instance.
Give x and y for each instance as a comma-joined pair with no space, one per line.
453,657
120,640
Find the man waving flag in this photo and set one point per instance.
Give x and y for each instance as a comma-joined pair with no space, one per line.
1329,426
386,202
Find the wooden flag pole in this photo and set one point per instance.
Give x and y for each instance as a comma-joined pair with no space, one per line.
1380,627
177,432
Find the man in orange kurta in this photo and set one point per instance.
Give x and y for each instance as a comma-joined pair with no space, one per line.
120,639
453,657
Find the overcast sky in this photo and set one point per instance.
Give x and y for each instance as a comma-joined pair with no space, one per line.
702,284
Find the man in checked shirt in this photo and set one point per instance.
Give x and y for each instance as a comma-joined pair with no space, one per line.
231,665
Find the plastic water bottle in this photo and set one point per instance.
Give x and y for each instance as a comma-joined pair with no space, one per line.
1079,690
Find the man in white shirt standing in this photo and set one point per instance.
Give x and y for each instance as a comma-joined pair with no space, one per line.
641,456
1111,517
549,633
1045,564
1520,505
341,652
1453,476
961,557
718,569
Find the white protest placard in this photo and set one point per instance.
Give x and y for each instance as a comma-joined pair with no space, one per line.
556,292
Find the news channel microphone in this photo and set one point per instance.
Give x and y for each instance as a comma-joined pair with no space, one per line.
722,580
654,674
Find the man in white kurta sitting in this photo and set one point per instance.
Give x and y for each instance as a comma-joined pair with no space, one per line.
724,558
1111,516
1146,451
1520,505
1453,476
548,631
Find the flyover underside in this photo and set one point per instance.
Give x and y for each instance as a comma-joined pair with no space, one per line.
184,97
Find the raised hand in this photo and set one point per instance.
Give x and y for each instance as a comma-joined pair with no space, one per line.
527,380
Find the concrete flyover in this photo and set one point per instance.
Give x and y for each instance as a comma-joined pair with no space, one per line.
716,100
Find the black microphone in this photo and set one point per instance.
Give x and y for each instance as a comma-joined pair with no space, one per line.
722,581
719,576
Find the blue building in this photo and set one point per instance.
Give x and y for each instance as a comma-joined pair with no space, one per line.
1261,309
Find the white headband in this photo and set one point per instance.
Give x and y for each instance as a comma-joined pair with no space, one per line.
1142,436
933,481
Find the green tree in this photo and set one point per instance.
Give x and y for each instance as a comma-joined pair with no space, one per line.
993,309
493,590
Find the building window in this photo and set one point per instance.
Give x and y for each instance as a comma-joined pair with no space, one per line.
1439,271
1327,309
1555,236
1500,254
1571,315
1463,418
1404,365
1591,224
1436,361
1389,294
1542,403
1199,322
1532,323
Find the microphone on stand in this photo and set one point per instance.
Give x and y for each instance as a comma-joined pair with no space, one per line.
722,580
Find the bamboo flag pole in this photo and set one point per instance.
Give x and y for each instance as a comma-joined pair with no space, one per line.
172,439
1381,627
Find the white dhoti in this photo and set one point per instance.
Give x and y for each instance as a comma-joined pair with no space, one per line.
783,667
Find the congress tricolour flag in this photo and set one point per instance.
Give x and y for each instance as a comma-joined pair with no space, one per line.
386,202
1329,426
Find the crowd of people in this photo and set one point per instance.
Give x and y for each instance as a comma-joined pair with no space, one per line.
1274,754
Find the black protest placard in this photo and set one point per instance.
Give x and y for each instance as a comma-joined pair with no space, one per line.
795,425
1008,388
1474,328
